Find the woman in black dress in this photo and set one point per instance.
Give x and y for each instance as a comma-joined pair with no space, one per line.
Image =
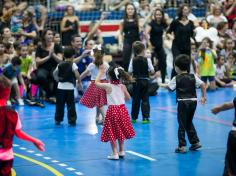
129,33
183,30
155,30
69,26
48,55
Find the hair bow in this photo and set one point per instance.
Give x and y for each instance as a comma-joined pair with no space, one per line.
117,72
98,47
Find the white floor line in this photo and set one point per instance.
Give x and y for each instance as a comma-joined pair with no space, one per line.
140,155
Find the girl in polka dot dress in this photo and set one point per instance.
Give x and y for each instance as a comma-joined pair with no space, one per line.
95,96
117,124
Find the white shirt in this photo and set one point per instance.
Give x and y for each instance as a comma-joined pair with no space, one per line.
94,70
67,85
117,96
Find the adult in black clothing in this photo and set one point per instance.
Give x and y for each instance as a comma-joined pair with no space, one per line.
155,30
129,33
48,55
69,26
183,30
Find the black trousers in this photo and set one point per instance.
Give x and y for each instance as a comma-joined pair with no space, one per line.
161,57
140,96
65,97
5,167
127,52
186,110
176,51
45,80
230,157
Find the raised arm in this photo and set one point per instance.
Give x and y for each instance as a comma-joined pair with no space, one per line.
222,107
104,86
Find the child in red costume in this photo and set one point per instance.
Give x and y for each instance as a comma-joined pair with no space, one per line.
10,126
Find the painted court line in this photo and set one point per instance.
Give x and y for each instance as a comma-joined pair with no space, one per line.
223,122
76,172
140,155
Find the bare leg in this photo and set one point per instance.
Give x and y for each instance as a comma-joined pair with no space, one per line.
212,85
114,148
121,146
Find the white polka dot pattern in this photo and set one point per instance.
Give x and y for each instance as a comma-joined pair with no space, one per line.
94,96
117,124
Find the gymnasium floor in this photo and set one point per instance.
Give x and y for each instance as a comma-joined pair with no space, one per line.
77,150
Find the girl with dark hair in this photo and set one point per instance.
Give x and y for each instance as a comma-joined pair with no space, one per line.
95,96
117,125
206,57
48,55
129,33
69,25
183,30
156,30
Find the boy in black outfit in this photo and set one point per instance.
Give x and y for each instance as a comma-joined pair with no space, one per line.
230,157
66,74
185,85
140,67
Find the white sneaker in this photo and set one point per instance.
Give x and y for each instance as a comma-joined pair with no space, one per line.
113,157
122,154
20,102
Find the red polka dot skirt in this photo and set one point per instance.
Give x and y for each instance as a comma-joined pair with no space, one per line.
94,96
117,124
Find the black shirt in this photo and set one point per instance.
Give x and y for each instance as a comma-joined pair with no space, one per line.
182,33
131,31
50,63
156,34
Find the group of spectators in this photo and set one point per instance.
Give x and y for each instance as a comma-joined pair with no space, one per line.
31,51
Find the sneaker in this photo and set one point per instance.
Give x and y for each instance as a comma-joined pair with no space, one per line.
113,157
195,146
72,123
145,121
30,102
133,121
122,154
57,123
180,150
9,103
20,102
41,105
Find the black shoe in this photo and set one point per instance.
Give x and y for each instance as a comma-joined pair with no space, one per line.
72,124
40,104
30,102
180,150
57,123
195,146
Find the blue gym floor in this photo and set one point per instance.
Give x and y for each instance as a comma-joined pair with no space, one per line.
78,151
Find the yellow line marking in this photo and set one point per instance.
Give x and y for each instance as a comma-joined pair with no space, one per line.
13,172
54,171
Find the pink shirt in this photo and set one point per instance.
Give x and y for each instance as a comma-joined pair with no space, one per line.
7,154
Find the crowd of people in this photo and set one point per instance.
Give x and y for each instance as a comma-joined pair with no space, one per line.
62,67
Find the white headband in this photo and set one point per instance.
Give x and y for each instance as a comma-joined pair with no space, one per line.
117,72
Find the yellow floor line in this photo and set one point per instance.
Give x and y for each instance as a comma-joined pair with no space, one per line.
52,170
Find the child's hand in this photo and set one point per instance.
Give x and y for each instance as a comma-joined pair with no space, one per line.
203,100
215,110
40,145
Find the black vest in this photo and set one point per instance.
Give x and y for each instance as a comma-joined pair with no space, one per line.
185,86
65,73
140,67
8,122
234,122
